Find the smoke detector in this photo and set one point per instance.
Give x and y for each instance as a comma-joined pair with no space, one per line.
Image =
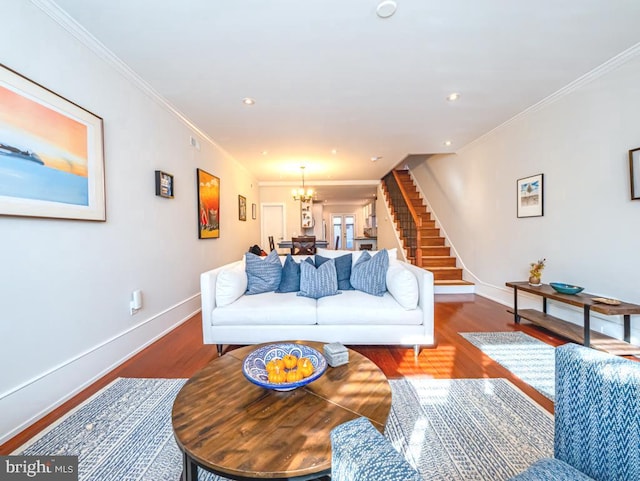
386,8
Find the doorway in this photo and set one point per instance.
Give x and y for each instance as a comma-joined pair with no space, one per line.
272,224
344,227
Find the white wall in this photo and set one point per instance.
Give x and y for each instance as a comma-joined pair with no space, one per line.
590,229
65,285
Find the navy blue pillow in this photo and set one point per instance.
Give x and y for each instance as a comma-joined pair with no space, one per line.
290,281
343,270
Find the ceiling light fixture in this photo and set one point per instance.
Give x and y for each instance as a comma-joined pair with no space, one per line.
452,97
447,143
248,101
376,158
302,194
334,151
386,9
265,152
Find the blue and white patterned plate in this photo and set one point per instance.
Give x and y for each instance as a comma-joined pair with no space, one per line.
254,366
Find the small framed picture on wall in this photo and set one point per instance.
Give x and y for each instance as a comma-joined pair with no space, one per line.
530,196
164,184
242,207
634,173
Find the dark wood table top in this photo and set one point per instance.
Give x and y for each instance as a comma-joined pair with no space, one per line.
579,300
239,430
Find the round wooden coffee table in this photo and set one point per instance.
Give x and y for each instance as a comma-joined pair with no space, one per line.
229,426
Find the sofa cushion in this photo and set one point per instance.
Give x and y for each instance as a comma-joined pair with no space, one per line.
230,284
317,282
290,279
369,274
402,285
263,273
357,307
343,269
267,309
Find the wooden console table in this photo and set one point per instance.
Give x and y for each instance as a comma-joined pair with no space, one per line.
573,331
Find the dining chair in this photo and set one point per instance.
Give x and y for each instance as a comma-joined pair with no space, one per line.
303,245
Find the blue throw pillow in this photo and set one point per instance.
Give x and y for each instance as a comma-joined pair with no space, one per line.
343,270
290,281
369,274
318,282
263,273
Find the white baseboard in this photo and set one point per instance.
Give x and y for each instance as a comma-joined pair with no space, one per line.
34,398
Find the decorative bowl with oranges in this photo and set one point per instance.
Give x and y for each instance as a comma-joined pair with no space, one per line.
284,366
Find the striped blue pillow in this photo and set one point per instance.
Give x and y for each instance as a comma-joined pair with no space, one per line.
318,282
263,273
369,274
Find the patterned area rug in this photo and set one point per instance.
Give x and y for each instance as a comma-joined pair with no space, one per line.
463,429
531,360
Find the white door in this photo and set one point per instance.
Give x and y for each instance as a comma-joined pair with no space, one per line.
272,224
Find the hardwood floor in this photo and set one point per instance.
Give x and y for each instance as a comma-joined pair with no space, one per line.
181,353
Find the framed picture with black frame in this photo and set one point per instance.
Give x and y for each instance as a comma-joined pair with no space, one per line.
242,208
530,196
164,184
634,173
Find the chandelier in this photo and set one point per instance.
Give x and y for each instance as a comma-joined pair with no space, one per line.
302,194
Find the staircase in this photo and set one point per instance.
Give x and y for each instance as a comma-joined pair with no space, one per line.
433,254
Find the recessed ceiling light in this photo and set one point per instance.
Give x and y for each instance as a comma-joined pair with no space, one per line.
334,151
248,101
265,152
376,158
452,97
447,143
386,9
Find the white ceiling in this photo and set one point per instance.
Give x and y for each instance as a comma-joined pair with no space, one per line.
330,74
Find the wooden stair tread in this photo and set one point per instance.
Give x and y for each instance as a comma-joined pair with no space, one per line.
432,252
457,282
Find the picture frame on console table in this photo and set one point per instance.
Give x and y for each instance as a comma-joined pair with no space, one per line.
51,152
208,187
634,173
530,196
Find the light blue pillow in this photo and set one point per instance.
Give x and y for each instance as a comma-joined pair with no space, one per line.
263,273
318,282
369,274
343,270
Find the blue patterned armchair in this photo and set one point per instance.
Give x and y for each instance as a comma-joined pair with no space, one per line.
597,428
597,419
371,458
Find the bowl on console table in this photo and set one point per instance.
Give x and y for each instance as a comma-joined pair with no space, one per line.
563,288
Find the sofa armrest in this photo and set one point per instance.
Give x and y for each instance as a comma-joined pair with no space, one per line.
208,298
361,453
425,299
597,413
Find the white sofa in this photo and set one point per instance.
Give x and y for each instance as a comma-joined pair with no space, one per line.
352,317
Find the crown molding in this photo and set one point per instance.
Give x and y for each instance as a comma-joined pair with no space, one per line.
68,23
288,183
598,72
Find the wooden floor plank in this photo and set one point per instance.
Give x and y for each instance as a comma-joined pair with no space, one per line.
181,353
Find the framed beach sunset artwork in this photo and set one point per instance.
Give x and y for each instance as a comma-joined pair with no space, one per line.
208,205
51,154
